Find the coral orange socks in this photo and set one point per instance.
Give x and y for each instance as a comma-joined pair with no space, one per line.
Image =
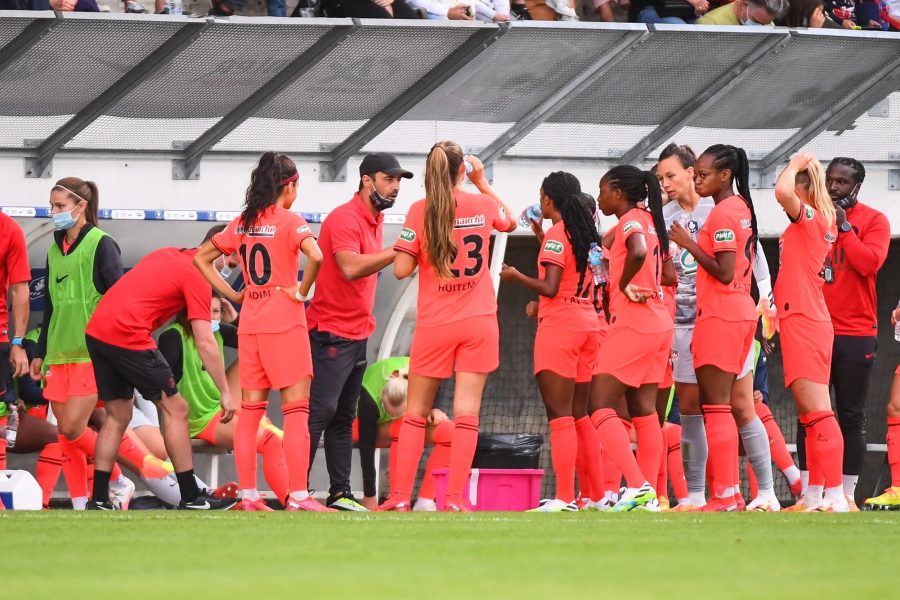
409,452
672,436
616,443
893,449
274,465
649,445
612,474
74,468
816,475
662,477
462,451
296,444
394,455
563,450
722,438
439,458
245,432
590,477
47,471
828,446
777,445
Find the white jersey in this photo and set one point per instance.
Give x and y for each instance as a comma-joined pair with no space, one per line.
685,263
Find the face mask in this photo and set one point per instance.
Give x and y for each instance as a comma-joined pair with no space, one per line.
380,202
748,22
849,200
225,272
64,220
215,325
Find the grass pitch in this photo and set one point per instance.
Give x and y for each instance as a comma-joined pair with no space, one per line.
168,554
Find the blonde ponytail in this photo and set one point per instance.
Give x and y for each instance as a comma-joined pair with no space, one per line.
441,168
812,179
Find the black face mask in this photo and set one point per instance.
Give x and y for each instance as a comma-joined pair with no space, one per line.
849,200
380,202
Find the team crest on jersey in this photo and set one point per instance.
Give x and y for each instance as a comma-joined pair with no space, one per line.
829,237
631,225
304,229
407,235
651,230
469,222
553,246
724,235
266,231
746,224
809,213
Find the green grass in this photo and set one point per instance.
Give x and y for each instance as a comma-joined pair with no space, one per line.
498,555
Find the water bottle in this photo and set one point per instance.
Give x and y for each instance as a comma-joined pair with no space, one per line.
897,328
532,213
598,265
175,7
12,425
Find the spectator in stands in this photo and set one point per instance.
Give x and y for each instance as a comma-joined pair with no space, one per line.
842,12
890,13
226,8
369,9
806,13
551,10
489,11
24,5
745,12
75,5
850,273
673,12
340,315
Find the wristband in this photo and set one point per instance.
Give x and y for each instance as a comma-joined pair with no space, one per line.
299,297
16,341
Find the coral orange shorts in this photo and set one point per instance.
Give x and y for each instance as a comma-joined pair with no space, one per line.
722,344
69,381
667,380
570,354
274,360
806,347
471,345
604,331
635,358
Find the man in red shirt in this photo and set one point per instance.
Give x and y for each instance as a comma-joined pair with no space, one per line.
14,275
850,272
126,358
340,317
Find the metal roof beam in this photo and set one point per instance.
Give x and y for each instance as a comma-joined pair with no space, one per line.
26,40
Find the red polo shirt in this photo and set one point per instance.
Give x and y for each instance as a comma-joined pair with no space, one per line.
339,306
13,266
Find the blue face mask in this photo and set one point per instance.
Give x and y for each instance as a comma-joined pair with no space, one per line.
215,325
63,221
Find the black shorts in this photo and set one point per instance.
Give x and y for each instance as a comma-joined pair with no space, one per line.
5,368
119,371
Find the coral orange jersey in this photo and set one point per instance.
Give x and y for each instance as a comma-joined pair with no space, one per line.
646,317
572,308
727,229
802,250
469,292
270,257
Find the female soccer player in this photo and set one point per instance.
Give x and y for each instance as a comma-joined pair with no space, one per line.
636,351
726,313
274,347
447,236
567,340
82,264
382,402
180,351
805,325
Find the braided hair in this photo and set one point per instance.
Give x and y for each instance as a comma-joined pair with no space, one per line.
735,159
266,182
638,185
859,171
564,190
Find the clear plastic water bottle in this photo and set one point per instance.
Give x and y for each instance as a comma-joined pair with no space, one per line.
597,264
897,328
12,426
532,213
175,7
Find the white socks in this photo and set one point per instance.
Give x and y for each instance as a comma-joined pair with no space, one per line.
250,494
850,485
79,503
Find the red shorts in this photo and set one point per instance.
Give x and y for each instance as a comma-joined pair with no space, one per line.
570,354
601,336
274,360
806,347
69,381
471,345
635,358
722,344
667,380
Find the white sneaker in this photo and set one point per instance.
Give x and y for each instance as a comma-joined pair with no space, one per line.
121,492
562,8
556,505
601,505
425,505
764,503
633,498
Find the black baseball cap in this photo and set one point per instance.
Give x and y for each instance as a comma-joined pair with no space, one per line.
382,162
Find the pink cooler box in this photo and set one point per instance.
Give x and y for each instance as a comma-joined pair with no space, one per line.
496,489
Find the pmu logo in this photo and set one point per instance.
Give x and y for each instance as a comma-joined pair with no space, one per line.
553,246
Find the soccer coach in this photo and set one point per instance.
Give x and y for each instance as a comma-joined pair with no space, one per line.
340,316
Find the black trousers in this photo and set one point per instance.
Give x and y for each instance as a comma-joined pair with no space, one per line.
339,365
851,369
366,9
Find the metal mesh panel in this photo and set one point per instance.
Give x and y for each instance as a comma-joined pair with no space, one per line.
365,73
563,140
874,136
11,27
516,73
660,77
16,130
46,80
416,137
812,73
138,134
258,134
